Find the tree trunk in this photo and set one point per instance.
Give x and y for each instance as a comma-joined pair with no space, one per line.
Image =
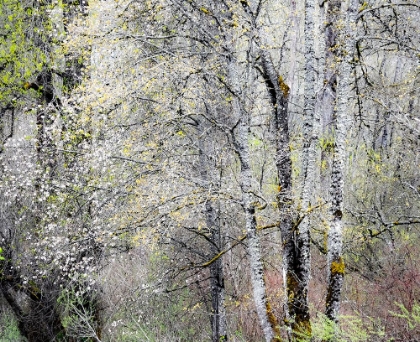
33,307
217,285
299,275
329,95
267,319
219,327
344,88
296,254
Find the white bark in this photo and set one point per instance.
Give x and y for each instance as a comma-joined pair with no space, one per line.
310,123
329,93
302,235
296,239
254,248
344,90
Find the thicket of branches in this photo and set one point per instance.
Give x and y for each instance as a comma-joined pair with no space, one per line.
179,170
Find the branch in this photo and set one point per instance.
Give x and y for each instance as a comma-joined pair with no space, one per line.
301,218
362,13
221,253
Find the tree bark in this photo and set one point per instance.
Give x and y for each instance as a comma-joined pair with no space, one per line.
296,244
299,275
329,94
33,307
219,326
344,89
217,284
268,321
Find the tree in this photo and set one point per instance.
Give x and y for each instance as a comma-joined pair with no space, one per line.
40,205
344,86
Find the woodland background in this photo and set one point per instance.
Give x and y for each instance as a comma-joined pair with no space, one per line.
196,170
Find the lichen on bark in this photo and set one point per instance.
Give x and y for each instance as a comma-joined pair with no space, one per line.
337,266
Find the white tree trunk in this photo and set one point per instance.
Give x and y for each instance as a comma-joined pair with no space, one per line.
344,91
301,232
295,239
265,315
